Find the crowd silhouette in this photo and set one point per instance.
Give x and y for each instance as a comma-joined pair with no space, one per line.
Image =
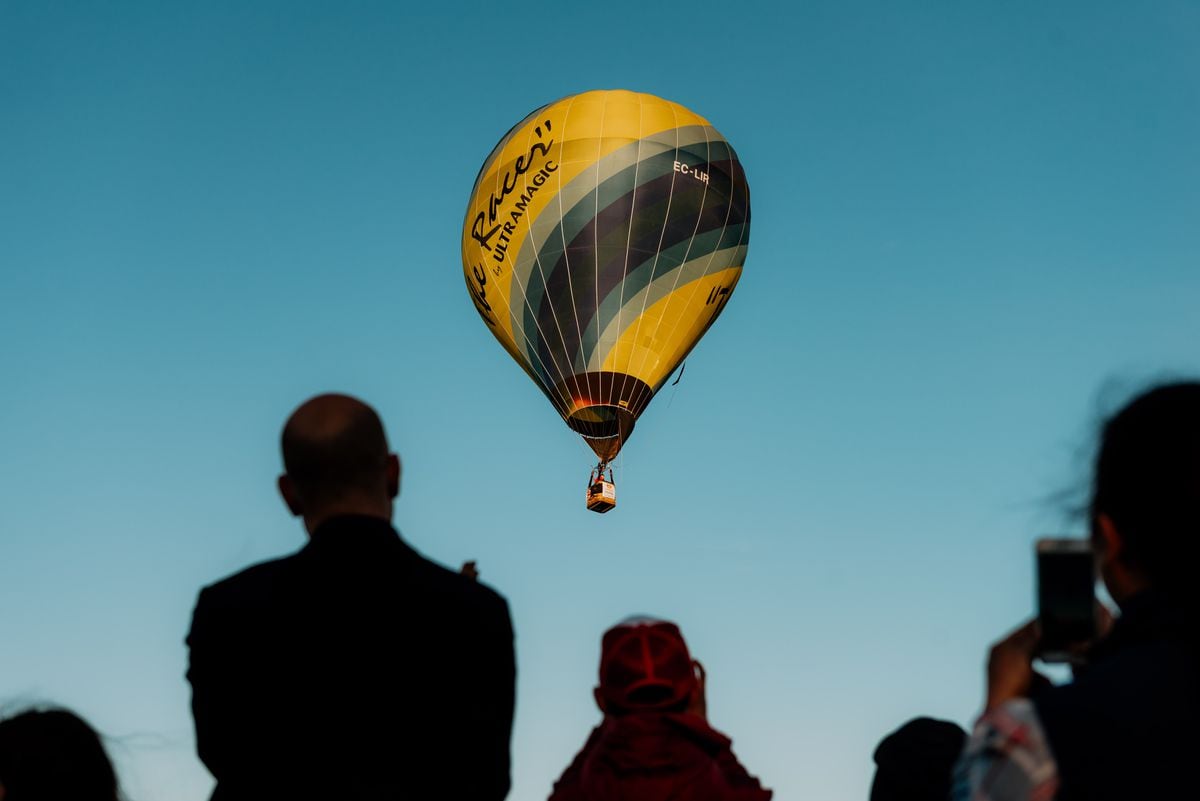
357,669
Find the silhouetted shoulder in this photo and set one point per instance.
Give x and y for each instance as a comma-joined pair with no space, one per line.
243,586
370,578
439,580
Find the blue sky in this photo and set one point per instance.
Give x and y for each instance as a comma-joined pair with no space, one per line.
975,230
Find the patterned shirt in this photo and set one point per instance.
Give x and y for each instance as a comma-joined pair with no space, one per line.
1007,758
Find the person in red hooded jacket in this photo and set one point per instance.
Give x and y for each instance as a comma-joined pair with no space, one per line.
654,742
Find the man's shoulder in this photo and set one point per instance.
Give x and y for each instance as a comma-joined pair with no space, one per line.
270,584
440,580
249,581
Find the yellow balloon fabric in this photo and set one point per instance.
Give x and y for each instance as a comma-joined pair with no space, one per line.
605,234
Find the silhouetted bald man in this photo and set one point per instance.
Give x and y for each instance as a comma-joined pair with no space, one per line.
354,668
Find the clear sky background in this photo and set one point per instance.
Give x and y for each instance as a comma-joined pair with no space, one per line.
976,229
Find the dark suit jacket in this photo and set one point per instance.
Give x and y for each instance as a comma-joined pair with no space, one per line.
353,669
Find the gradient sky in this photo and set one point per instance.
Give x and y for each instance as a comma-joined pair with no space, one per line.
976,229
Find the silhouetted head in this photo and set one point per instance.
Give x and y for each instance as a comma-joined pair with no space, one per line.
644,665
915,762
1145,507
53,755
336,461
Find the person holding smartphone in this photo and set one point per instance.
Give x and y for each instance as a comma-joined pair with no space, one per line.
1128,725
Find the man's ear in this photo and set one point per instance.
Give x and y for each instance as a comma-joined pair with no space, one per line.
599,699
393,475
288,490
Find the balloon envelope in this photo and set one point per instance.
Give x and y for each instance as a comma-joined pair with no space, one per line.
604,235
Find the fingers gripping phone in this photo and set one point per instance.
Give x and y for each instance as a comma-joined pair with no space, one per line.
1066,588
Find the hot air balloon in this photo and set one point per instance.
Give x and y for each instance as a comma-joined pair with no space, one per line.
605,233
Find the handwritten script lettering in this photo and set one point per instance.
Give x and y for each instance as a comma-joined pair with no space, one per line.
488,224
478,288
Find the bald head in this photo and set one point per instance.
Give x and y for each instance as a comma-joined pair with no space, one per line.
335,458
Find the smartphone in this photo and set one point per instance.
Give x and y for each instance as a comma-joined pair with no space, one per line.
1066,588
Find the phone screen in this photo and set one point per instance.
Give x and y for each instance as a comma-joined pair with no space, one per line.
1066,596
